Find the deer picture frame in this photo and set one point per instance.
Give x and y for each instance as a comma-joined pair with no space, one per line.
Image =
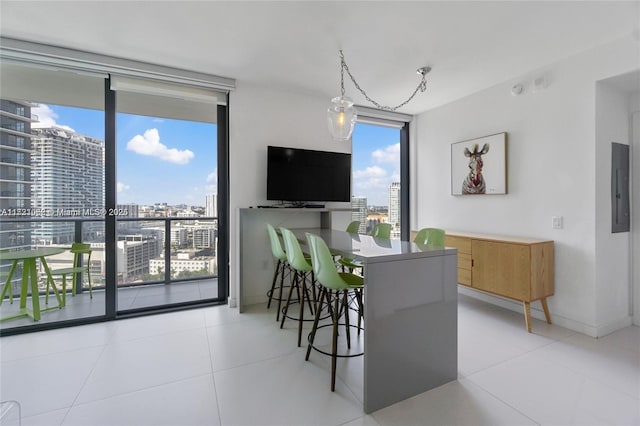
479,166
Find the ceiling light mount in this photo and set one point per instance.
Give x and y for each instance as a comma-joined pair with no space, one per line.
342,114
424,70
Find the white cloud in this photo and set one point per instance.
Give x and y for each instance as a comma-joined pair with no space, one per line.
390,154
371,179
122,187
149,144
370,172
212,182
47,118
374,181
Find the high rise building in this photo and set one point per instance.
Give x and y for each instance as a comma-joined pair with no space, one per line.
68,181
178,236
15,172
128,211
359,212
186,212
184,261
134,253
394,209
204,237
211,205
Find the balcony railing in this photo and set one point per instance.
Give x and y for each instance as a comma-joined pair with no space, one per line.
143,246
15,143
14,194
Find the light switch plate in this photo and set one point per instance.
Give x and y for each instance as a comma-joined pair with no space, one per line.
556,222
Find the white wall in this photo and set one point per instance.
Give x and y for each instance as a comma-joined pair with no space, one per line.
635,207
552,161
552,167
260,117
612,250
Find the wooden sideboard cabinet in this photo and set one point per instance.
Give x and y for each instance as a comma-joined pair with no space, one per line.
516,268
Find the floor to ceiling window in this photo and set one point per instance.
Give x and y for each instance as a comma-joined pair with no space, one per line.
167,224
135,168
51,183
378,179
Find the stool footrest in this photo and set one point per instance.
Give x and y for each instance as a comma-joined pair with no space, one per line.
329,353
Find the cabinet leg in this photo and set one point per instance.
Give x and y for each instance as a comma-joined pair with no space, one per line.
545,307
527,315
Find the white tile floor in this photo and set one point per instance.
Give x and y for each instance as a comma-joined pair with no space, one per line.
213,366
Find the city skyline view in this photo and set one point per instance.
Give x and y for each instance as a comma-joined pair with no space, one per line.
171,161
375,162
160,160
53,168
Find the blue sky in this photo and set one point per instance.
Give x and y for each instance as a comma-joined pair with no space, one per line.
159,160
375,162
171,161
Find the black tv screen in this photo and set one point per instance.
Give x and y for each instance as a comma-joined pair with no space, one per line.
301,175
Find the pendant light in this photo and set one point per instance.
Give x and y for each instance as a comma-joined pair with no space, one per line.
342,114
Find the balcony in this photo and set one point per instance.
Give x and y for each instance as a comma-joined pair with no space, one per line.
155,266
15,130
130,298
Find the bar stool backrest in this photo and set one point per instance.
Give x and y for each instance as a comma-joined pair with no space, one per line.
295,257
276,247
324,268
381,230
353,227
430,236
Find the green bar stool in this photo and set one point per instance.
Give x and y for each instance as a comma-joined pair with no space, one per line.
347,262
353,227
302,281
430,236
281,269
382,230
338,288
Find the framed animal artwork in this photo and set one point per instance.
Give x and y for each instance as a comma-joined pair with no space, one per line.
479,166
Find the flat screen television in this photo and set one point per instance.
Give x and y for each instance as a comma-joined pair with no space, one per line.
304,175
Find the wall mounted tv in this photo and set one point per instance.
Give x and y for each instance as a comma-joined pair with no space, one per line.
303,175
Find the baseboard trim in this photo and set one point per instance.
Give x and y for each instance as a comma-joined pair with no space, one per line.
536,312
603,330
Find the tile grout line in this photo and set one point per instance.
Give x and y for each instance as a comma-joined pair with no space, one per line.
84,383
213,376
110,341
502,401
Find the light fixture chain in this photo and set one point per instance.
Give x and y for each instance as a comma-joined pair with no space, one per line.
342,67
421,87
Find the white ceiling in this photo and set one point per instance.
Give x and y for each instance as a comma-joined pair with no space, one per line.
294,45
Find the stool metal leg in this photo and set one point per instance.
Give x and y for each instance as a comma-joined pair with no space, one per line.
345,303
284,268
294,283
273,283
334,344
